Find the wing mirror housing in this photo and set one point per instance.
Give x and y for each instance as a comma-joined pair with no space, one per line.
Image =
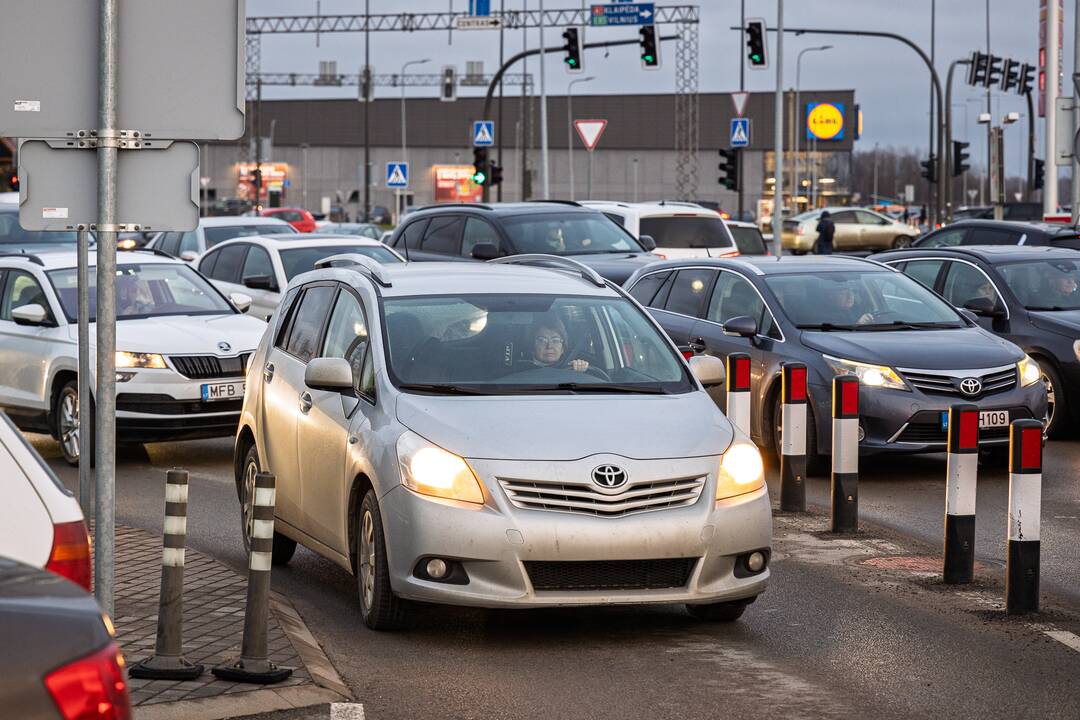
647,242
240,301
32,314
331,374
742,325
708,370
189,256
260,282
485,251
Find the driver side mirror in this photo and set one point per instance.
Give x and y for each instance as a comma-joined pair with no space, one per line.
241,301
485,251
260,282
743,326
331,374
984,307
32,314
647,242
708,370
189,256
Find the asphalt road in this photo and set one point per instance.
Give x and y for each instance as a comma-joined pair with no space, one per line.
831,638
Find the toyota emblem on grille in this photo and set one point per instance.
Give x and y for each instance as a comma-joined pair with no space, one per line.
609,476
970,386
224,347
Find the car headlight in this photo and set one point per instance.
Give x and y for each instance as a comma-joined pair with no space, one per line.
741,471
869,375
430,470
139,360
1076,349
1029,371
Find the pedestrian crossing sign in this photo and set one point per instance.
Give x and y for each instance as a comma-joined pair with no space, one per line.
397,175
740,132
483,133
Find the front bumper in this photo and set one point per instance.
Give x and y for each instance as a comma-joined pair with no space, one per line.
162,405
498,543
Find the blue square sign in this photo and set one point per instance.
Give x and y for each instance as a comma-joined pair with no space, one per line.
397,175
483,133
740,132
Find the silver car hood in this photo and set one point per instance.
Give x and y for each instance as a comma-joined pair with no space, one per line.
569,427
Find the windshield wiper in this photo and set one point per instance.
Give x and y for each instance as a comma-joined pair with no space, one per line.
442,389
906,325
826,327
644,389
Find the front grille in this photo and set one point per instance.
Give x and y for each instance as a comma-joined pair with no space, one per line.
167,405
610,574
944,382
206,367
586,500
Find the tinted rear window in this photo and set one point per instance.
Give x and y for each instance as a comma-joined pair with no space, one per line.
748,240
687,232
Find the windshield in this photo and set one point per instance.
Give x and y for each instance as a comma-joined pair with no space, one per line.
215,235
576,233
302,260
860,300
371,231
12,234
1044,284
142,291
503,344
687,232
808,215
748,240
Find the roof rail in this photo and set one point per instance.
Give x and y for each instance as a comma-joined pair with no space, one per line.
360,263
683,203
25,256
439,206
562,263
575,203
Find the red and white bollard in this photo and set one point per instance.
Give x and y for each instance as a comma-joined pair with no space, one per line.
793,437
738,391
845,454
962,475
1025,509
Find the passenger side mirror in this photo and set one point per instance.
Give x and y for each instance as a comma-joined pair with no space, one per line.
32,314
260,282
241,301
647,242
189,256
984,307
485,251
332,374
743,326
709,370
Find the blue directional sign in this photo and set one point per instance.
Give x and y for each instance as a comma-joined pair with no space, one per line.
479,7
740,132
483,133
623,13
397,175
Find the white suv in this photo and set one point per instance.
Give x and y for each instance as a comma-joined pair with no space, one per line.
182,349
188,246
680,230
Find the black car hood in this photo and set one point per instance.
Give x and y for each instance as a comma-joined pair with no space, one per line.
616,267
955,349
1066,322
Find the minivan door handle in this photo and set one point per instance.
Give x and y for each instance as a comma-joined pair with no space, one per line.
305,402
268,372
697,345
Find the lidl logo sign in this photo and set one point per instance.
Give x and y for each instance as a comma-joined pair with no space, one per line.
824,121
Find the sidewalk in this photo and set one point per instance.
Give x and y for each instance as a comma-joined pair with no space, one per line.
214,599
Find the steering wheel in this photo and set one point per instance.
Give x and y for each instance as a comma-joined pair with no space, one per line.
597,372
883,315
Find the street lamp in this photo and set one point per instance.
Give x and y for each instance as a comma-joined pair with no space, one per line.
570,125
404,149
798,110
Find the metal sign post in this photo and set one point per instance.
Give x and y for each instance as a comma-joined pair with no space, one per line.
86,442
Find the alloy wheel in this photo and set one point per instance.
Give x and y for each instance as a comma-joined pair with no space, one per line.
247,503
1049,398
69,423
367,559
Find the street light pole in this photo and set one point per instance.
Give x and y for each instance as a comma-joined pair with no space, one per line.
570,126
798,112
545,181
404,147
778,137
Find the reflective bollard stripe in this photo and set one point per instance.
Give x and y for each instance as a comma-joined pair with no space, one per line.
1025,510
961,478
793,402
738,391
844,488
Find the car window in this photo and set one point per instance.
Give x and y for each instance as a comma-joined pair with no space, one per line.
307,324
347,334
217,235
189,242
207,262
748,240
925,271
943,238
227,267
477,231
845,217
257,263
22,289
1066,241
170,243
734,296
868,218
288,215
568,233
992,236
687,232
1048,285
616,218
964,282
12,233
689,292
302,260
443,235
644,290
411,235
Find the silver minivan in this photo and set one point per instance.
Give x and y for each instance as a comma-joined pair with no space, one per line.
516,434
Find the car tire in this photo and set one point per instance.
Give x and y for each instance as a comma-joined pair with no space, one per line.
719,612
283,547
901,241
66,423
815,464
380,609
1059,423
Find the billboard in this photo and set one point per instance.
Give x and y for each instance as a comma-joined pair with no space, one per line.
824,121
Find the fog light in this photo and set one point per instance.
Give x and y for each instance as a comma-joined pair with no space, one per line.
436,568
756,562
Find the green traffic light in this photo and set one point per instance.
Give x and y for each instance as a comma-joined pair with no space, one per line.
647,58
479,178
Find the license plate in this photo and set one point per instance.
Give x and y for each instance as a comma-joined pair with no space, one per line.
222,391
993,418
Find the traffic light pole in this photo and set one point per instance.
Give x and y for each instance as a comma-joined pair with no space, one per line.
945,150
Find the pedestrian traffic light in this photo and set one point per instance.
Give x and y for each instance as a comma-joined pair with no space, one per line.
755,43
496,174
1010,75
364,92
959,158
572,48
993,71
1027,79
977,68
1037,175
481,166
650,50
929,169
729,168
448,91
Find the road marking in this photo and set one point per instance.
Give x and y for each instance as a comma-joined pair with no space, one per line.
346,711
1066,638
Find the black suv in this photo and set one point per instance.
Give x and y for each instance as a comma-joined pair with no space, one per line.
487,231
1001,232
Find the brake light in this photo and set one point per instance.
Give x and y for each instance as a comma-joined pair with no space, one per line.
92,688
726,216
732,253
70,555
687,354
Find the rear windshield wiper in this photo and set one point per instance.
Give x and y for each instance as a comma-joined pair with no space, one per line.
442,389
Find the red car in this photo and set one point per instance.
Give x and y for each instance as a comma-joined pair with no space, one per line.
300,219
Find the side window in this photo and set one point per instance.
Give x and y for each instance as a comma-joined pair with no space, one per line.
846,217
617,219
443,236
347,334
644,290
866,218
22,289
307,323
477,231
689,292
964,283
227,267
257,264
170,243
945,238
189,242
992,236
925,271
735,297
1073,243
207,262
410,236
285,310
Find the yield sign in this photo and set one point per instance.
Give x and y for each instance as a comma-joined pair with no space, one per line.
590,131
739,100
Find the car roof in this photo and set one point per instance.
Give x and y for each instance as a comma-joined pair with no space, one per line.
508,208
230,220
302,240
1042,227
773,265
63,259
662,208
989,253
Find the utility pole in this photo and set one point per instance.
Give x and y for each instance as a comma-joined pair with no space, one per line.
545,182
778,137
937,201
1076,116
742,88
367,114
1053,53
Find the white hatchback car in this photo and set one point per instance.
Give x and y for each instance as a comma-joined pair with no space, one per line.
188,246
262,266
182,349
680,230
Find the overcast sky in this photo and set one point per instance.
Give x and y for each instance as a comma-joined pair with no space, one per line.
890,81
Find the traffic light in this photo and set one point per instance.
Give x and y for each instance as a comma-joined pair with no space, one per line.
12,181
496,174
993,71
959,158
1037,178
755,43
650,50
1027,79
364,91
1010,75
448,89
572,48
481,166
729,168
977,68
929,169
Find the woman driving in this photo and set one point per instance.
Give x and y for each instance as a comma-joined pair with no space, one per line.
549,344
